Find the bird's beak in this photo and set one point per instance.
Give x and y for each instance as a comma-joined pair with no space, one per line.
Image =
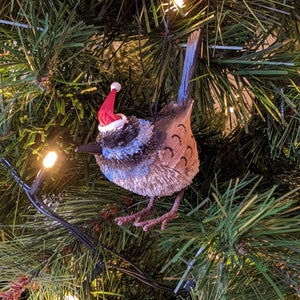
91,148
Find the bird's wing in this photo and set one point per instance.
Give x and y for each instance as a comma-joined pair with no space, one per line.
177,145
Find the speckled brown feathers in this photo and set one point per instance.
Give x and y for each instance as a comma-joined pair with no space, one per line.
178,148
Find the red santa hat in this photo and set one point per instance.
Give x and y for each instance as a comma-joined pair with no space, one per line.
108,120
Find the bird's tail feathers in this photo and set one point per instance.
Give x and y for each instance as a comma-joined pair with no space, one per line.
192,51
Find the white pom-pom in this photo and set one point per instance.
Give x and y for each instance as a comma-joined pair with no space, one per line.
115,86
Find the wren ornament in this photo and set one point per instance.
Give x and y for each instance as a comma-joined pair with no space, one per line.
151,158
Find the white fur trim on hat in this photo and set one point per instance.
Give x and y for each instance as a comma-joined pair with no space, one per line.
114,125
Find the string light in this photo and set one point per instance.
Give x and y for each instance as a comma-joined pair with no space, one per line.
231,109
179,3
50,160
70,297
176,4
90,242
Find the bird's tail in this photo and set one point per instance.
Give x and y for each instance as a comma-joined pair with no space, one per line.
192,51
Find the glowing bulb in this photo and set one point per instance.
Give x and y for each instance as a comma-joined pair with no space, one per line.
231,109
70,297
50,160
179,3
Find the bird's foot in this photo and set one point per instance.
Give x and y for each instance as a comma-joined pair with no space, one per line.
149,210
148,224
163,220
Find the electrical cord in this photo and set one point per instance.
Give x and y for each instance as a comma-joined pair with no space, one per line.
91,243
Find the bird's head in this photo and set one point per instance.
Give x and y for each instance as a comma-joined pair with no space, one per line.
109,122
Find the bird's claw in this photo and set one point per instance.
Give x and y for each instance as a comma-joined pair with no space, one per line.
135,217
149,210
163,220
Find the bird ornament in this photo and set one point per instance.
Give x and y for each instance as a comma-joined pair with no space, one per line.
150,157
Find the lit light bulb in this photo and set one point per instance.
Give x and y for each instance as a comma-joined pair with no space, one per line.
174,6
50,160
179,3
70,297
231,109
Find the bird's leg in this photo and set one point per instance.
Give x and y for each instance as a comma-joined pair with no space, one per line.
149,210
164,219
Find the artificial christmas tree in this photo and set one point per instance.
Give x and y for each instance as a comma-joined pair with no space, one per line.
237,234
